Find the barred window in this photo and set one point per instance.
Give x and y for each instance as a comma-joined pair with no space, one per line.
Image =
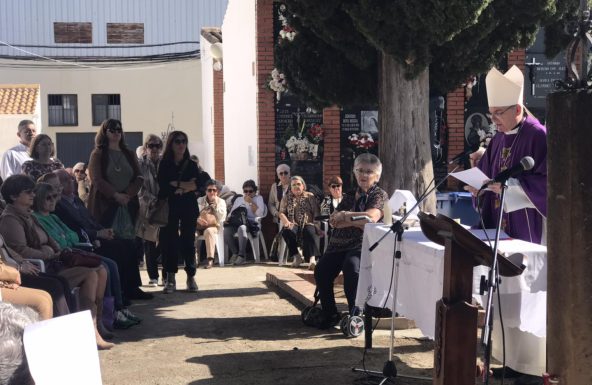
105,106
62,110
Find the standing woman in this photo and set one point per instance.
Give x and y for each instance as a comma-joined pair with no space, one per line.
148,196
114,173
177,178
42,151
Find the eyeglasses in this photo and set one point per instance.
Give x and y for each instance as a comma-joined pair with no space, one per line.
361,171
180,141
248,191
212,190
51,197
154,145
498,114
117,130
283,173
335,186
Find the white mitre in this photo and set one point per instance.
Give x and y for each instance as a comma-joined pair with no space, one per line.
504,89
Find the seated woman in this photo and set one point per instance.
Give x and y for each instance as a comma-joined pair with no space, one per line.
214,208
24,234
44,203
11,291
255,207
41,151
345,245
298,210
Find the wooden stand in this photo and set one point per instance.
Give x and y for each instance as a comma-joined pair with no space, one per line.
455,350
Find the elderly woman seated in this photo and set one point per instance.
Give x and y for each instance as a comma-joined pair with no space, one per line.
26,236
212,212
345,245
254,206
298,210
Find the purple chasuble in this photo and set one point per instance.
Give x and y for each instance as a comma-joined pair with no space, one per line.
505,151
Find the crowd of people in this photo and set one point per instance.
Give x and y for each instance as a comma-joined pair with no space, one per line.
106,210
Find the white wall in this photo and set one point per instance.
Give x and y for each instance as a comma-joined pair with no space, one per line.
149,95
205,148
240,96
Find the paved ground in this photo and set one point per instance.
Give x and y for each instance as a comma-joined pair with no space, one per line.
241,330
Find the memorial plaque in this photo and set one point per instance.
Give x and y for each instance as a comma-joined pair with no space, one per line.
540,75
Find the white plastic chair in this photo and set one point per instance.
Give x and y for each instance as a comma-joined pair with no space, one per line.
219,245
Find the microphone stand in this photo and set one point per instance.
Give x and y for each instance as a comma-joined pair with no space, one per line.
390,370
492,285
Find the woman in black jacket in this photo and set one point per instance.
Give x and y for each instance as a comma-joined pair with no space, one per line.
178,181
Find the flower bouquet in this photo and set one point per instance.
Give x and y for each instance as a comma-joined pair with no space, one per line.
362,142
277,83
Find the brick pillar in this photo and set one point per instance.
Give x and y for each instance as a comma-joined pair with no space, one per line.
517,58
455,119
219,125
331,154
265,106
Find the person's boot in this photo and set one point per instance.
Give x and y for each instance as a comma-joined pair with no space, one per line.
191,285
171,284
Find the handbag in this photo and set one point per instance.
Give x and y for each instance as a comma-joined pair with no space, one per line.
82,258
123,226
158,213
208,215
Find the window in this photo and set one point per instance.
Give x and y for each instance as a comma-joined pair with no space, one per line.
125,33
105,106
63,110
72,33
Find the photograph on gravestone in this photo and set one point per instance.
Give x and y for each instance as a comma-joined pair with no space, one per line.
299,139
478,128
359,134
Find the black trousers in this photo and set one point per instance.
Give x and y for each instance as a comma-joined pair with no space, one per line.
123,252
328,269
57,287
310,240
177,238
152,252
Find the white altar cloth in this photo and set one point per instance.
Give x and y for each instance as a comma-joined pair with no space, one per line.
421,273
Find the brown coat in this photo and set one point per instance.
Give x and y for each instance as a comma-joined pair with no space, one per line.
100,197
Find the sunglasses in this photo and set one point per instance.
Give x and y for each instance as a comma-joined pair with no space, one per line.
335,186
154,145
283,173
115,130
180,141
51,197
212,190
248,191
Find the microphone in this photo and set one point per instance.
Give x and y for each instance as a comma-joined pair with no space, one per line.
463,155
525,164
359,217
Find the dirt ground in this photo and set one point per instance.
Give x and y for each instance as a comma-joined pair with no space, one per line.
239,330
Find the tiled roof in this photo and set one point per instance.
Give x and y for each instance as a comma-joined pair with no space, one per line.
18,98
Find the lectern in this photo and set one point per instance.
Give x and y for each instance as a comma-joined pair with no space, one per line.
455,350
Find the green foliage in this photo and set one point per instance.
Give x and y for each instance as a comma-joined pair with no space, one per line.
334,57
556,36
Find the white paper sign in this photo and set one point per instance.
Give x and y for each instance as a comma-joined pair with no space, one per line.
474,177
63,350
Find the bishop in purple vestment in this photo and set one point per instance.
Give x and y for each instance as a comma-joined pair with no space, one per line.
519,135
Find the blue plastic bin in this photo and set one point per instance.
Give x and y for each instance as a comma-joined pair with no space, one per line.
457,205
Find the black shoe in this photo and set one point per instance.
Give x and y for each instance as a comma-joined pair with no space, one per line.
328,320
509,372
137,293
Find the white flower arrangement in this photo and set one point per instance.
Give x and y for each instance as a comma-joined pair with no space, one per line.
286,32
278,82
298,145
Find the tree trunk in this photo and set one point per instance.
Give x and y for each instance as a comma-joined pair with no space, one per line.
569,265
404,145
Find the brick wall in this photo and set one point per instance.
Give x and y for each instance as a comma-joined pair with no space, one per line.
265,107
219,125
331,154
